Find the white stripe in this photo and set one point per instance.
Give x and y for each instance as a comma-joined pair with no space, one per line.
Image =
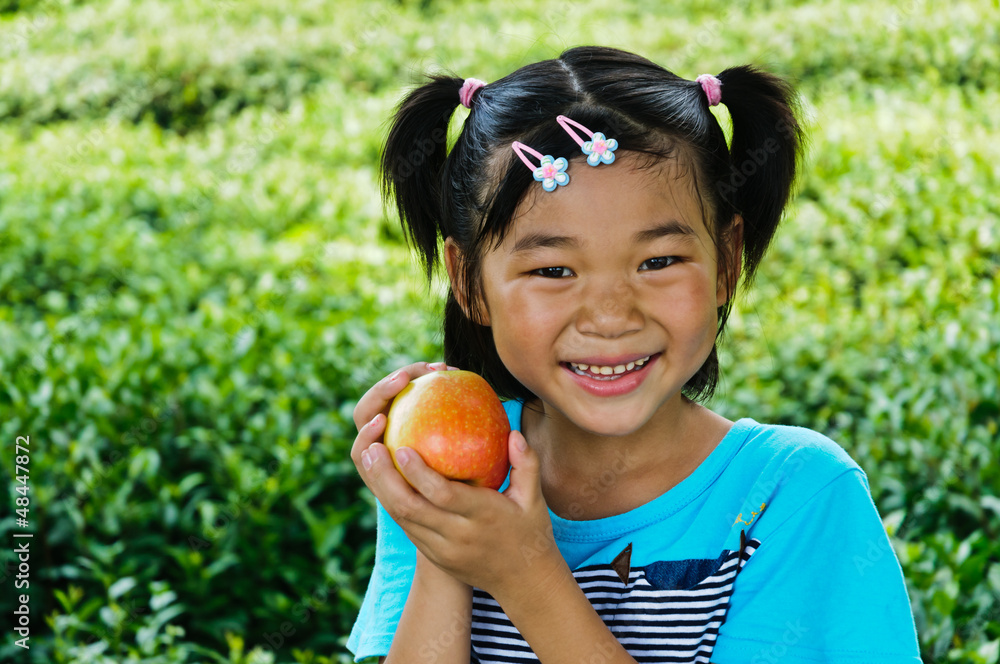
649,591
691,643
506,654
666,629
505,642
639,606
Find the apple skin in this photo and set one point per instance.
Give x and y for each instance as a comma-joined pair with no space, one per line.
455,421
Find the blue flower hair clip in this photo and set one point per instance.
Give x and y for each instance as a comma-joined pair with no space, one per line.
550,172
599,149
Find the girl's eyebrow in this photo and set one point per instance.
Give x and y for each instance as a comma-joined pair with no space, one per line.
542,240
664,229
539,240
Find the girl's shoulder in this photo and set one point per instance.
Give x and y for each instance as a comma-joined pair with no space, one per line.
800,446
783,468
793,449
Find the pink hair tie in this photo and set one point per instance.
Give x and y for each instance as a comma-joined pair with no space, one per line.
712,87
469,88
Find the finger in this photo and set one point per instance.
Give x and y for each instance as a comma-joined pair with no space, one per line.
443,493
403,503
370,432
417,516
525,479
380,395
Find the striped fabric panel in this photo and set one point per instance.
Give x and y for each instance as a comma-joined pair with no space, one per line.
654,625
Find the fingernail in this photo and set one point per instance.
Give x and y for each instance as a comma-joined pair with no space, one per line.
395,376
366,460
521,443
451,368
437,366
403,456
375,420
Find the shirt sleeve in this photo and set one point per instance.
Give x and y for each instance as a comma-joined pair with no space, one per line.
823,586
392,576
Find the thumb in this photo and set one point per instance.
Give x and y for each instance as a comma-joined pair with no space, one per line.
525,481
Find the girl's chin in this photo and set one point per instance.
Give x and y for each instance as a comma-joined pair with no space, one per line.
610,421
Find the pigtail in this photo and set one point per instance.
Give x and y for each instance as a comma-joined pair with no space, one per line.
766,147
413,159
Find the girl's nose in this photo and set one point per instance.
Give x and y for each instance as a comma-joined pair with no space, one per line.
609,310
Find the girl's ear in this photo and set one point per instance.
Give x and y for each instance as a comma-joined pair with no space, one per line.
732,243
453,263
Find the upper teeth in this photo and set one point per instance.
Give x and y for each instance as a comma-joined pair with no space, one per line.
608,370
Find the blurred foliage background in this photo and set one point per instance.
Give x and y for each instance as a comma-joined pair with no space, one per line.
197,281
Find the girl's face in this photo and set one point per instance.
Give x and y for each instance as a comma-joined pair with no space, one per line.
602,298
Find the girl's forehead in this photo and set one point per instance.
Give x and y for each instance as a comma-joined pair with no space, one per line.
633,191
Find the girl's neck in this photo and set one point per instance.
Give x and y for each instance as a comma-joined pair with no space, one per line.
590,476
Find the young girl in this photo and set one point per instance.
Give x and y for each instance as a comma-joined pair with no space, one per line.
595,225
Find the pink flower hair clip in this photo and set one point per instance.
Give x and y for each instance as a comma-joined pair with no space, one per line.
599,149
550,172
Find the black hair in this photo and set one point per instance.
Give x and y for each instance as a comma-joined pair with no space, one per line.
471,194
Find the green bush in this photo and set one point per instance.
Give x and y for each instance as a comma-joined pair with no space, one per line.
197,281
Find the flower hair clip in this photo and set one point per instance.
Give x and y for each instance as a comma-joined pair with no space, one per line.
550,172
599,149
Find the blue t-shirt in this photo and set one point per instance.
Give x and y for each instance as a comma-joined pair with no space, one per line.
771,550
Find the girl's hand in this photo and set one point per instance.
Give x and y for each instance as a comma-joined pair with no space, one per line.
502,543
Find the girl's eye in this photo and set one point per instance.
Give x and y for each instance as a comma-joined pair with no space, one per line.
553,272
658,263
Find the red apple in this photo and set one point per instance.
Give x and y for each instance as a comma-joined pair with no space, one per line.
456,423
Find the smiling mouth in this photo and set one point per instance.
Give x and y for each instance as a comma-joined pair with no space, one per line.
607,372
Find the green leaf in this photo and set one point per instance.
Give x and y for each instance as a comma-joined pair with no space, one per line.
120,587
160,600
